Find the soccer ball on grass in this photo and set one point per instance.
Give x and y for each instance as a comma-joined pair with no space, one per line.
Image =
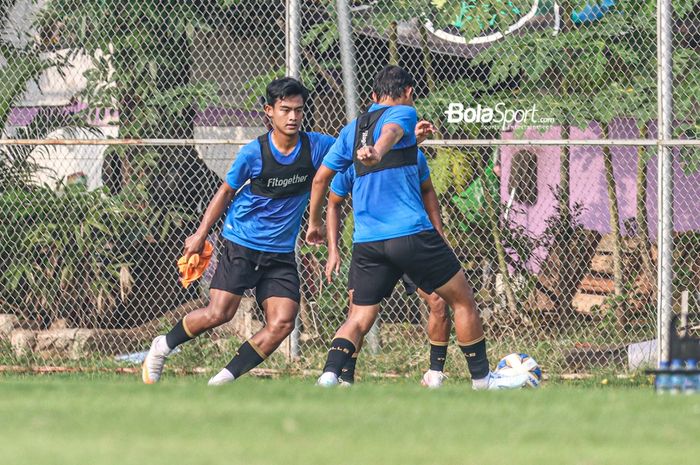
515,364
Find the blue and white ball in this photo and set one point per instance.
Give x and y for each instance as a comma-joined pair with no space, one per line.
515,364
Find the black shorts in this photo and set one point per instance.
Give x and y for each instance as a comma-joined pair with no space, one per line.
270,274
408,286
377,266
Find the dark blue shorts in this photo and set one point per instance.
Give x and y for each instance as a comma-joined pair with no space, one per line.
270,274
377,266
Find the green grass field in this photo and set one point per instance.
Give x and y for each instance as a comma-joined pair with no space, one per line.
110,419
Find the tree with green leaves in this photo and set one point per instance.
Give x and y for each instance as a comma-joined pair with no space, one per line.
585,74
58,251
142,59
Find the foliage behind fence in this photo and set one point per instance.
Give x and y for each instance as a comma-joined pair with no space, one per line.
559,242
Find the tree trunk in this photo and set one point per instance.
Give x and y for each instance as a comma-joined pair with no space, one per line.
178,181
642,224
393,43
117,169
565,174
615,226
427,61
494,222
182,178
180,173
567,7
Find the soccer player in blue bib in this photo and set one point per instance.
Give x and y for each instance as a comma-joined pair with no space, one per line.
393,234
438,316
274,175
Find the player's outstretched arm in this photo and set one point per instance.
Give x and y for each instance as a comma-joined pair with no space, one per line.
315,232
333,208
218,205
371,155
431,205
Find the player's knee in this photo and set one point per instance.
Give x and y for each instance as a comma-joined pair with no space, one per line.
281,327
438,306
218,315
362,323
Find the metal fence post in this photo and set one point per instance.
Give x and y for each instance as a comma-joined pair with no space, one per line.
293,64
347,57
293,38
665,175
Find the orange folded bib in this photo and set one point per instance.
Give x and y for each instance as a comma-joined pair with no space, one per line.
193,269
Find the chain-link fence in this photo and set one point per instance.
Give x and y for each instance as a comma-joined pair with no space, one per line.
545,166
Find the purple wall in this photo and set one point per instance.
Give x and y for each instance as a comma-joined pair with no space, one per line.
588,185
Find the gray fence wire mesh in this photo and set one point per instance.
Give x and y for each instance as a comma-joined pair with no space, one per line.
558,241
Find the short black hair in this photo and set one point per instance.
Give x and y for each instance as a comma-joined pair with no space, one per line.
281,88
391,82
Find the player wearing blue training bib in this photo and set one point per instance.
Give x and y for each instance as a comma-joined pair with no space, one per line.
262,222
265,194
438,327
393,234
398,188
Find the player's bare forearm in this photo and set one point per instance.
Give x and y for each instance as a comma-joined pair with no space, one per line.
391,134
315,233
431,205
319,187
333,207
218,205
335,202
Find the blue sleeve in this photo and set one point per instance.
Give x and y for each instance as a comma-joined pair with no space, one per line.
342,182
405,116
321,144
423,169
339,157
241,170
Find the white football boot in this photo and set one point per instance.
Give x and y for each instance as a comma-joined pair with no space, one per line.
155,359
433,379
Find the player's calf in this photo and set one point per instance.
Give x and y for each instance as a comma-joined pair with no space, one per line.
347,374
346,341
280,314
340,351
247,357
477,361
434,377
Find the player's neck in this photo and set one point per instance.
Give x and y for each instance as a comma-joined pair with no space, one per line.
283,143
394,101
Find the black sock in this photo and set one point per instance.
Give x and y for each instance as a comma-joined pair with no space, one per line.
247,357
178,335
438,355
348,372
339,353
477,361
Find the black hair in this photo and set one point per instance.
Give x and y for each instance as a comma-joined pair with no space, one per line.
281,88
391,82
